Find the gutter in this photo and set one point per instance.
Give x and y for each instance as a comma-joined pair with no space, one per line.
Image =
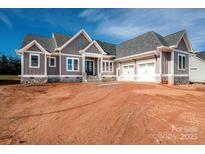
140,55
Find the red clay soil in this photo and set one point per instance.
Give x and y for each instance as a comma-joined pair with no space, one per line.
103,113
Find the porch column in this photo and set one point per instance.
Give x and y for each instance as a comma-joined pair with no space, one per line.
84,76
98,63
101,64
83,63
172,67
22,62
101,67
160,71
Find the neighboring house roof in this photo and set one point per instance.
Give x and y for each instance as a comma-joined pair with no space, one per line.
46,43
174,38
201,55
61,38
143,43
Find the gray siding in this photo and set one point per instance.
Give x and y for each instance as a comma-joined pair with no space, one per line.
63,66
166,63
93,49
182,45
34,71
77,44
176,71
34,48
53,70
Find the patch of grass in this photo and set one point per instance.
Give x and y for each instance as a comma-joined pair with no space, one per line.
8,77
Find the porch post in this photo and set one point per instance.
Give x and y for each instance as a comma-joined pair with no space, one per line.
101,64
22,64
98,63
160,71
172,67
101,67
83,69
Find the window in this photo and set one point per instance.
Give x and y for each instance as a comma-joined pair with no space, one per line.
107,66
72,64
103,66
52,62
34,61
181,62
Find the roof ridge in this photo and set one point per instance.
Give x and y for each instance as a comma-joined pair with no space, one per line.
37,35
106,42
184,30
156,36
68,35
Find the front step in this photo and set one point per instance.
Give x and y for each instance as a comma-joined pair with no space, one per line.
92,78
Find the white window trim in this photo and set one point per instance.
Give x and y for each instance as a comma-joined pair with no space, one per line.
50,61
182,55
72,64
109,61
32,54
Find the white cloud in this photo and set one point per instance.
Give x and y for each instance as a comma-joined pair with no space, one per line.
92,15
6,21
122,24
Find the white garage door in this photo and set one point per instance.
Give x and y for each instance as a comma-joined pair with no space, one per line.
128,72
146,72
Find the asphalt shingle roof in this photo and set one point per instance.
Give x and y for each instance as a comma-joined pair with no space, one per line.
143,43
46,43
61,38
107,47
201,55
173,39
146,42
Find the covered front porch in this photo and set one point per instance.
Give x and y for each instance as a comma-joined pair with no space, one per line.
92,67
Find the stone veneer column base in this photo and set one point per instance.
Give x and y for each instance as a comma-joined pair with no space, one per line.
34,80
181,80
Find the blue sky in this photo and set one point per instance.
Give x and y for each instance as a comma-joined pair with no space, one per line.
110,25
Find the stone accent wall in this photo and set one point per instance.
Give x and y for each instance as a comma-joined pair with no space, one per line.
71,79
108,78
181,80
33,80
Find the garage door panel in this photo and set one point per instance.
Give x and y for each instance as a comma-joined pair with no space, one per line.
146,72
128,73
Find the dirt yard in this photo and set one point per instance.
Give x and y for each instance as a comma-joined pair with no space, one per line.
103,113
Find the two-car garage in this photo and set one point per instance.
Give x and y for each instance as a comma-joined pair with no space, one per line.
140,71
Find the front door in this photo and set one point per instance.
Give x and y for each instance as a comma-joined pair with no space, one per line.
89,67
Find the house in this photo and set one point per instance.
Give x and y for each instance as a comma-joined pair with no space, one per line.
149,57
197,65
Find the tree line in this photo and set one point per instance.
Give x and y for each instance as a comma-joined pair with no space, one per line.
9,65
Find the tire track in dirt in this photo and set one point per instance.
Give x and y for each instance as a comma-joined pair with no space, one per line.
58,111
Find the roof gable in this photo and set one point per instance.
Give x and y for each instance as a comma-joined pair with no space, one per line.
93,47
174,38
182,45
74,37
34,47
